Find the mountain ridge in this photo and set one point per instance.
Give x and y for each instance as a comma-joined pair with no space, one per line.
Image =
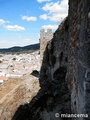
20,49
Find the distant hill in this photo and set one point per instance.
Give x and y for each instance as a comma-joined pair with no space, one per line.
18,49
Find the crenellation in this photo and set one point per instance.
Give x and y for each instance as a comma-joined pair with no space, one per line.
46,34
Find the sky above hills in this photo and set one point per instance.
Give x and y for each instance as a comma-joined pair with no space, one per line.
21,20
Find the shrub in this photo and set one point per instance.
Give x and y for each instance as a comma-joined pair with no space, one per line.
14,59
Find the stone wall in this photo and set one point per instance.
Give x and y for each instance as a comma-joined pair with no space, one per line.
70,49
54,67
55,54
79,55
44,38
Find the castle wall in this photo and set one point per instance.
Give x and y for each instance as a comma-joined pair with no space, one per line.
54,70
70,49
44,38
79,55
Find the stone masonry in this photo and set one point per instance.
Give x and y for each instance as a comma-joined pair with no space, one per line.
70,48
44,38
79,56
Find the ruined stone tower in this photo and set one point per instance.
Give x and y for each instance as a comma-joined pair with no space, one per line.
44,38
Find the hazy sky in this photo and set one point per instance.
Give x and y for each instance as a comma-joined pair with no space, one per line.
21,20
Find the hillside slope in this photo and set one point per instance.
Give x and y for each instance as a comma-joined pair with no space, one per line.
21,49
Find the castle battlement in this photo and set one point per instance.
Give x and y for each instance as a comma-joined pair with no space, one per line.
45,36
48,35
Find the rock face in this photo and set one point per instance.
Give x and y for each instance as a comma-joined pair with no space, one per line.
79,56
66,64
